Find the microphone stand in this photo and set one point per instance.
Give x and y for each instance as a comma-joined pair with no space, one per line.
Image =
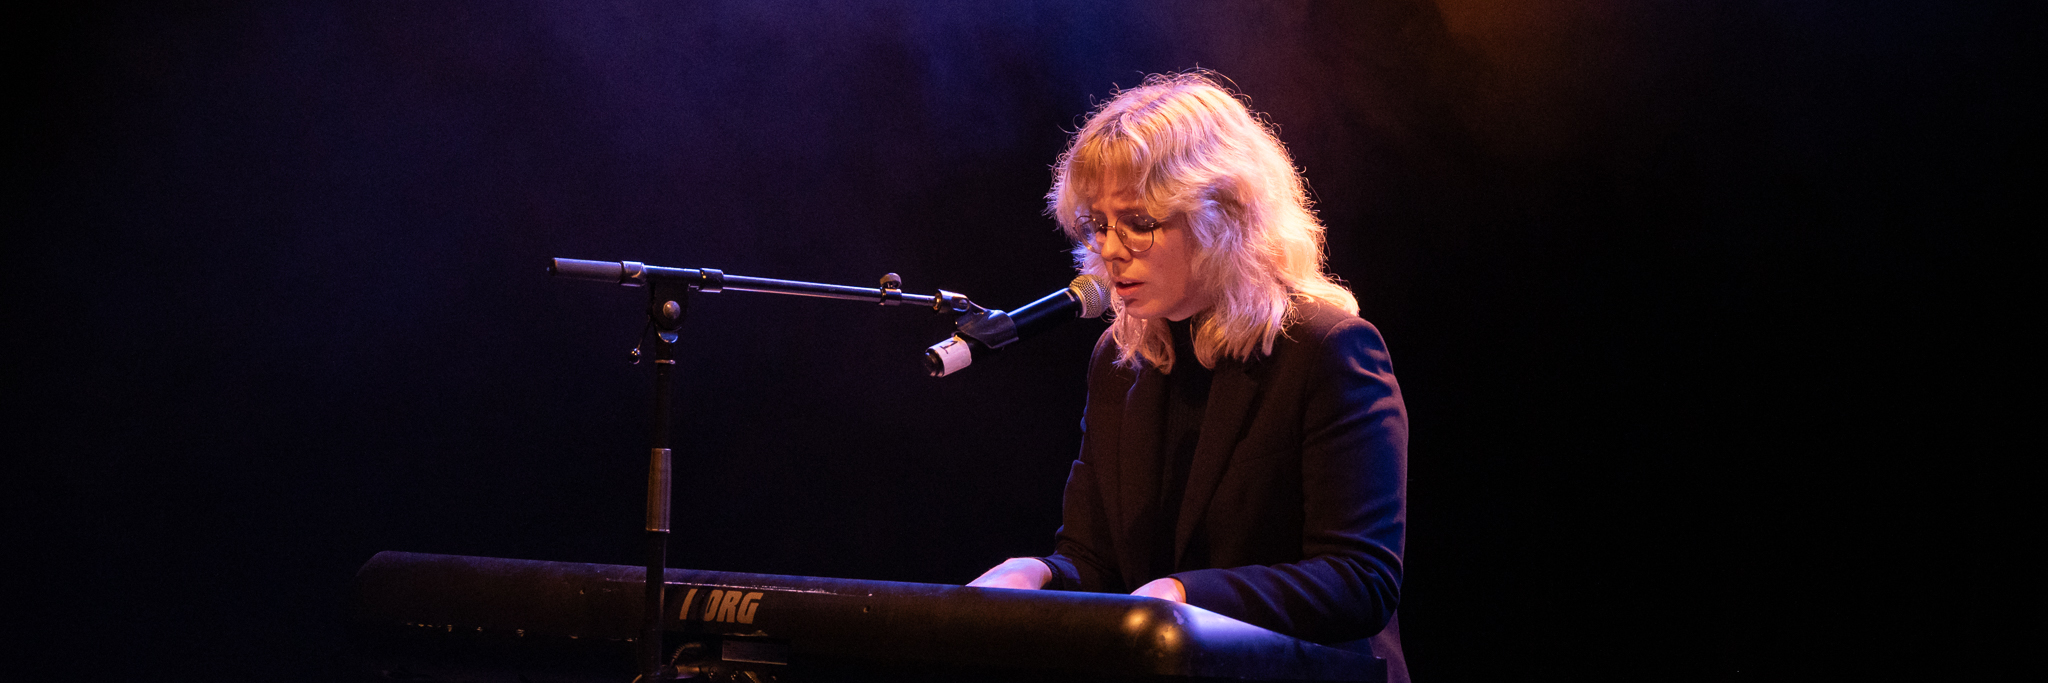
668,300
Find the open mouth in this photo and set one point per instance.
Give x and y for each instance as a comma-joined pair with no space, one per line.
1124,287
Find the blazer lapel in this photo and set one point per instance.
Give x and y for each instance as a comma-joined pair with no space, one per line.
1230,398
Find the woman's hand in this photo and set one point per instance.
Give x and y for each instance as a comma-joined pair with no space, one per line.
1168,588
1027,573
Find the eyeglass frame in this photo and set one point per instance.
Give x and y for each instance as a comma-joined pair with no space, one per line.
1146,226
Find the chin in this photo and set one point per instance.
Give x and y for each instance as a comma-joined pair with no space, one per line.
1139,311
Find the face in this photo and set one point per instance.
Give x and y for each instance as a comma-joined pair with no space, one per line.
1157,282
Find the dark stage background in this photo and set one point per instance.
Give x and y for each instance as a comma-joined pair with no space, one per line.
1676,291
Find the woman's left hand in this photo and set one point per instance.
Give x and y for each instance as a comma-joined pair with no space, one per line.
1168,588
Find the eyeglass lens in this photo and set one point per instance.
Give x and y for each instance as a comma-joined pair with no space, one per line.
1135,230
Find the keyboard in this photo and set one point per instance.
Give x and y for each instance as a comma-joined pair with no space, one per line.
429,617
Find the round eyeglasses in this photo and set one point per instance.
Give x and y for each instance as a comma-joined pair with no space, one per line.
1135,229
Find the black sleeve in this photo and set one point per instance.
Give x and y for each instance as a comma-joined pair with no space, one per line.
1077,563
1083,558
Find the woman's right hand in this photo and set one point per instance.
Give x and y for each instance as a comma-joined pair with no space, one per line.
1027,573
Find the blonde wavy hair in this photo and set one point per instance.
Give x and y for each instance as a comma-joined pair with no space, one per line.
1196,156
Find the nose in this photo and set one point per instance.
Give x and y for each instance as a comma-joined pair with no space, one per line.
1113,247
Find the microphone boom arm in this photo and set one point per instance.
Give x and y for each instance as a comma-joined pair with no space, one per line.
711,280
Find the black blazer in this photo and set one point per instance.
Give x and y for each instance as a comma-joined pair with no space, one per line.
1295,510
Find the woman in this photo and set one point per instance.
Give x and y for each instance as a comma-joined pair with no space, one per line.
1245,445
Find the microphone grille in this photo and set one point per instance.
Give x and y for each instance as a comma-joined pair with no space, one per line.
1093,293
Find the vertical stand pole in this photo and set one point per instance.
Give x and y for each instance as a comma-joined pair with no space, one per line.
667,315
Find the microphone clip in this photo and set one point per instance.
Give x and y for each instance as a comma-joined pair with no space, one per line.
976,328
995,329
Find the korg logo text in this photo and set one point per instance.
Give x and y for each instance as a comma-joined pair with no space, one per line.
723,605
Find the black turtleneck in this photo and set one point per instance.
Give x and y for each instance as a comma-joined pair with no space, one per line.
1187,396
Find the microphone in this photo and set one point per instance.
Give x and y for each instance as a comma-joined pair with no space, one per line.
1086,297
